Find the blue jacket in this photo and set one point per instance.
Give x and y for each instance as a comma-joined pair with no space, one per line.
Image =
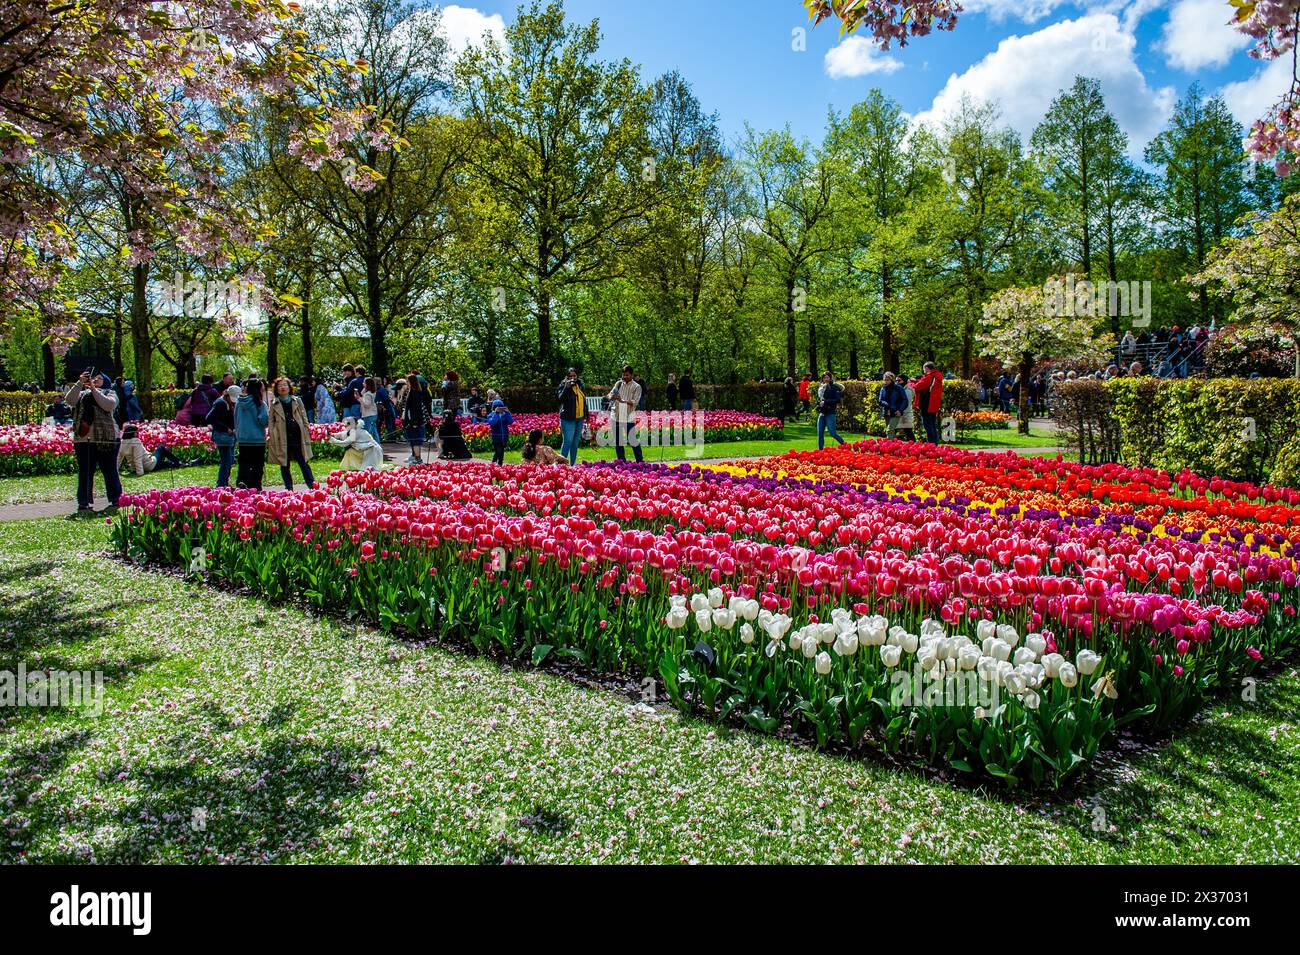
892,399
250,421
500,422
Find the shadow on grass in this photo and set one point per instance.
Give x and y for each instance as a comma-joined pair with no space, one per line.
53,630
1224,764
263,798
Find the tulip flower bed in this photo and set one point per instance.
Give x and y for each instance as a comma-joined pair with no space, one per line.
718,426
31,449
970,624
982,420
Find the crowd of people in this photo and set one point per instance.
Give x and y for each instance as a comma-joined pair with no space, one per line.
254,423
905,403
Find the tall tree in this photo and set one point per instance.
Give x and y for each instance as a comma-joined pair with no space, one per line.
136,89
1203,188
879,176
383,212
561,156
791,187
983,210
1081,147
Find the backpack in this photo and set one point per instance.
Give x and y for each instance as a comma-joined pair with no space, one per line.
85,414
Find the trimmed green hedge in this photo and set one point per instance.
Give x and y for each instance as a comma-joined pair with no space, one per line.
1236,428
24,407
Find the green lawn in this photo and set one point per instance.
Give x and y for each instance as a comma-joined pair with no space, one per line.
800,437
291,738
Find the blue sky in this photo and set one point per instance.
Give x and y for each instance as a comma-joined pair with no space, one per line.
741,57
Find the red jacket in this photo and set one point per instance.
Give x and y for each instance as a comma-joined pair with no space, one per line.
803,389
934,381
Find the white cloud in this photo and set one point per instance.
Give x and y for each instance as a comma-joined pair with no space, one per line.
1027,10
1025,73
465,26
1251,98
858,56
1197,34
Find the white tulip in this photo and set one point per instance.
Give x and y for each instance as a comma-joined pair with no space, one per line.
1030,699
704,620
823,663
1001,650
699,602
968,657
751,609
1052,664
677,601
716,597
986,647
1067,675
778,625
1004,670
724,618
846,644
796,639
809,646
930,625
871,634
927,659
1031,673
677,618
1024,655
1035,642
987,668
1007,634
910,642
746,634
1014,683
890,655
827,632
1086,661
986,630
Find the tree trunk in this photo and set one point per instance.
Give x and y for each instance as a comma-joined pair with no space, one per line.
967,347
812,349
1026,367
117,336
184,368
375,318
308,359
543,308
272,347
141,342
791,347
888,354
47,367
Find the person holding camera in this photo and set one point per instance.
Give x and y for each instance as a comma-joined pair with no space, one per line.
624,398
573,412
829,396
95,438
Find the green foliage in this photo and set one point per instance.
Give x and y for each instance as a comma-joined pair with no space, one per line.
1232,427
